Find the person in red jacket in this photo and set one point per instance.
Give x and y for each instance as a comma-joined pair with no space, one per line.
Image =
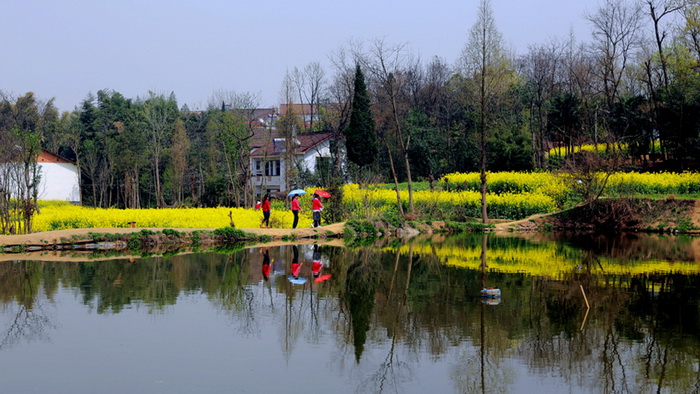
295,210
266,211
316,207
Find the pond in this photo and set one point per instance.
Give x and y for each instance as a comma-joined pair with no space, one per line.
391,317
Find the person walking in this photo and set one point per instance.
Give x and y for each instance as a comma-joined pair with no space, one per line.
316,207
266,211
295,210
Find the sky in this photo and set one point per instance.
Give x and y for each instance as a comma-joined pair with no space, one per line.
68,49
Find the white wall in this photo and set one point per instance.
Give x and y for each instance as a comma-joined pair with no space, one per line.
59,181
323,149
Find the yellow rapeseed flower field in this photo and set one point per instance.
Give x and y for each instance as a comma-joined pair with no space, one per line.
511,195
553,186
373,202
57,215
600,148
655,182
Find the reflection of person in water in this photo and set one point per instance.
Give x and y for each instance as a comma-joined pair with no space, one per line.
265,263
296,267
316,265
295,262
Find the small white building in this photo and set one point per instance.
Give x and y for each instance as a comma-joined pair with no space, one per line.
59,178
311,151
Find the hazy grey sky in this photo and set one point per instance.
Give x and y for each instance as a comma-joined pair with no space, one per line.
67,49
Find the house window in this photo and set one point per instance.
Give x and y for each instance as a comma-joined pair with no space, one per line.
272,168
257,168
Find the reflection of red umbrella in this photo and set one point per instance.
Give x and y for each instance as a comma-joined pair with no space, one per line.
322,278
322,193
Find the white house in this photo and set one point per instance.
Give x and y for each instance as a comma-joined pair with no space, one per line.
59,178
311,151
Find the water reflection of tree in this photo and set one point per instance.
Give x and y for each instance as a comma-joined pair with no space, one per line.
540,322
20,286
392,371
360,288
626,346
482,370
25,324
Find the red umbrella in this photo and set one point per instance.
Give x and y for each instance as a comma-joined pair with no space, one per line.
322,193
322,278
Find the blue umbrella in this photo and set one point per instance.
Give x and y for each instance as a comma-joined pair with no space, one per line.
298,192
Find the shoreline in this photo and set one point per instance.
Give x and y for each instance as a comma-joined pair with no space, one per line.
669,216
82,235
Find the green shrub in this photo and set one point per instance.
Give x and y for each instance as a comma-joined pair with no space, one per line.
392,218
172,233
196,237
230,233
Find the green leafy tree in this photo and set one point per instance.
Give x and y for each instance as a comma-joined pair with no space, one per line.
179,152
564,120
160,114
426,146
231,136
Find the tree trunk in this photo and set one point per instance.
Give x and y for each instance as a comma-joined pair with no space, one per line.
404,148
396,179
482,121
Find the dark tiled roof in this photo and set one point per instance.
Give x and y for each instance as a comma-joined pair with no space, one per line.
306,143
262,136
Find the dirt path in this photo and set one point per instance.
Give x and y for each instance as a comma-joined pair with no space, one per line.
526,224
82,234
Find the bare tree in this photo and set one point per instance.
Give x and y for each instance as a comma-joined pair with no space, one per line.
160,113
431,96
7,157
309,84
22,122
289,124
388,66
234,130
315,79
298,82
616,26
541,66
487,68
180,153
658,9
233,100
691,26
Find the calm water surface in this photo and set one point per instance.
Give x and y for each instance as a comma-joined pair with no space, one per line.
393,317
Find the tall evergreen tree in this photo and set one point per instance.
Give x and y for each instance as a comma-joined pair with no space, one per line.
360,136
